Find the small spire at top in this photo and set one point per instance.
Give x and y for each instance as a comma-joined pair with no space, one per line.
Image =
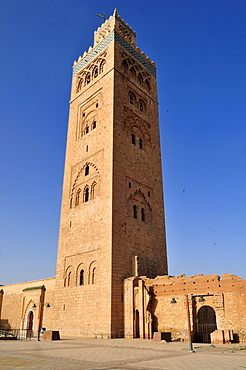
115,12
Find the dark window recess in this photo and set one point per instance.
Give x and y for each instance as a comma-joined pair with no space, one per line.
135,212
141,143
87,170
93,276
96,105
142,214
81,277
148,193
87,129
130,185
133,139
86,194
94,125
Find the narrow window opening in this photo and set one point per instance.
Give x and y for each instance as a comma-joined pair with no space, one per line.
88,79
141,143
95,72
133,139
131,99
77,197
141,106
148,193
135,214
93,190
86,195
94,125
69,279
87,170
87,129
93,276
83,114
87,148
142,214
71,202
130,185
96,105
81,277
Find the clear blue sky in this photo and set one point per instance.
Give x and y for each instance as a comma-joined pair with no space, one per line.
199,47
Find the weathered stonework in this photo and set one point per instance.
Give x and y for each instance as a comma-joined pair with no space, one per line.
112,218
216,303
112,228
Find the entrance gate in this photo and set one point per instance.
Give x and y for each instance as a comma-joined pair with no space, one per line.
206,324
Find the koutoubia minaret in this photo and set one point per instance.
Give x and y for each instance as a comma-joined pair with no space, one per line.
112,215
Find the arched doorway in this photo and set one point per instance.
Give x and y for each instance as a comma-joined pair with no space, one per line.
30,318
206,324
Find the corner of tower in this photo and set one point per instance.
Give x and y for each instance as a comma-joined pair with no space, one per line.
115,23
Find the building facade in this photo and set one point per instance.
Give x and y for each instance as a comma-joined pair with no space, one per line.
111,276
112,215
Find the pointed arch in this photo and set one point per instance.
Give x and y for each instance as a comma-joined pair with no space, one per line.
77,197
93,273
86,194
93,189
93,167
136,125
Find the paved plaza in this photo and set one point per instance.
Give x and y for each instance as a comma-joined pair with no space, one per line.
86,353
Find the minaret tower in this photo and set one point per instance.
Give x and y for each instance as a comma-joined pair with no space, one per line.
112,215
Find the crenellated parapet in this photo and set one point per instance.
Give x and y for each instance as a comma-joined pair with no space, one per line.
114,29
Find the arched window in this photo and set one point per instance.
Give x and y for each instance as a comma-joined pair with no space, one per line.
94,125
124,65
140,79
87,170
77,197
81,277
87,78
93,189
132,98
142,214
80,83
95,72
133,139
141,106
87,129
86,194
135,212
102,66
147,84
69,278
133,72
93,276
141,143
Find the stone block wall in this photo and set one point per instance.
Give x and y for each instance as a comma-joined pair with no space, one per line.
19,299
216,303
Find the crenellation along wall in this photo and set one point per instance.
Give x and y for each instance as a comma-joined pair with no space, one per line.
223,298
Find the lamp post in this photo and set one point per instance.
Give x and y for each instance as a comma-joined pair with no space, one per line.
40,316
188,320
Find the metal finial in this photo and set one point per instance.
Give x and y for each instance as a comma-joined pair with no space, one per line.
101,16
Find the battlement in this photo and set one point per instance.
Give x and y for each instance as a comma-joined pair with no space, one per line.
107,33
